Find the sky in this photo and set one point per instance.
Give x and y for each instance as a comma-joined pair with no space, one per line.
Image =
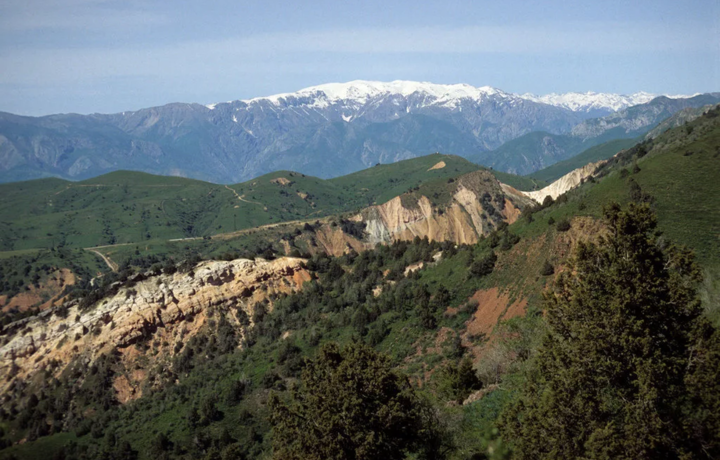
106,56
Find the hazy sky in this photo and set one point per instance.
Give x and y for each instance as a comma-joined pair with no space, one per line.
108,56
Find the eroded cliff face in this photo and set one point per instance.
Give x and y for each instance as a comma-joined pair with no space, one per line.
567,182
476,205
163,311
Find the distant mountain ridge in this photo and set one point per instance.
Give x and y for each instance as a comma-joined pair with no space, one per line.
326,131
537,150
597,104
359,92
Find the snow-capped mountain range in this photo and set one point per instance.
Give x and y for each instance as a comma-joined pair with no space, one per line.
326,130
359,93
590,101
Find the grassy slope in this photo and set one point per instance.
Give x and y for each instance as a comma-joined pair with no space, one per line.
526,183
685,188
384,182
134,214
132,207
591,155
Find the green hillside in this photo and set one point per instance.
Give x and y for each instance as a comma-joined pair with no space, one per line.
677,173
525,183
140,218
385,181
132,207
591,155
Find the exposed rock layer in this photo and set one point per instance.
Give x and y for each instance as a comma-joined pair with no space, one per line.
170,308
567,182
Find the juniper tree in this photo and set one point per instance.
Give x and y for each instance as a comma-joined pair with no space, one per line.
627,368
352,405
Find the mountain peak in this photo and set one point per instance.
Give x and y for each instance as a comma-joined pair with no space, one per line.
590,100
362,91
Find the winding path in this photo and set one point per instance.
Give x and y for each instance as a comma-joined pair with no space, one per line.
242,197
113,266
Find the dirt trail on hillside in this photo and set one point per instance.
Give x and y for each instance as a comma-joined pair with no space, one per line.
113,266
266,226
242,197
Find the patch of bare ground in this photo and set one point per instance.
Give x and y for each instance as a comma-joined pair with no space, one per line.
478,395
493,306
413,267
335,242
438,165
47,295
510,212
281,181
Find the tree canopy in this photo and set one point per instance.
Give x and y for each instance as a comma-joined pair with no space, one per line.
619,372
352,405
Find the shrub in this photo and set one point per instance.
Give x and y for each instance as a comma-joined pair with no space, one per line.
563,225
484,266
547,269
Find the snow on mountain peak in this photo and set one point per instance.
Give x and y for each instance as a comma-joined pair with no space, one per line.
355,94
584,102
362,91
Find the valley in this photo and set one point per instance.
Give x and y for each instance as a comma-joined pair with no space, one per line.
221,293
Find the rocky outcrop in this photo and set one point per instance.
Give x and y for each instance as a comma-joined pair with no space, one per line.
165,309
460,210
475,206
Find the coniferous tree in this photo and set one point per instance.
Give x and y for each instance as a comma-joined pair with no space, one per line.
352,405
621,372
459,380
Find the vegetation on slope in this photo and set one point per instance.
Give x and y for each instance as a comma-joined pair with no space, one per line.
132,207
609,379
591,155
140,210
212,400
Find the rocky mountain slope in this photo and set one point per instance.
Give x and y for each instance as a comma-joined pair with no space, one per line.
170,309
538,150
324,131
594,104
475,204
459,210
